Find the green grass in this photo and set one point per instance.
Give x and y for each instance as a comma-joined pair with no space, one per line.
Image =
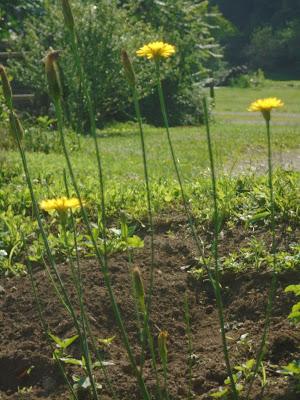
121,154
238,99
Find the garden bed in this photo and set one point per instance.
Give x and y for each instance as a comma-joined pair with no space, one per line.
245,295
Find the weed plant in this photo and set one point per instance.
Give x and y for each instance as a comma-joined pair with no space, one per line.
78,215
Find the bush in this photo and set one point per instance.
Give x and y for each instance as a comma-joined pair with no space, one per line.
103,31
255,79
106,28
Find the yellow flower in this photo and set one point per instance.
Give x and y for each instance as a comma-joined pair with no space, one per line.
156,50
265,106
61,204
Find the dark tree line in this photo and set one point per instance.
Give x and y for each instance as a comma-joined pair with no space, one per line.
267,34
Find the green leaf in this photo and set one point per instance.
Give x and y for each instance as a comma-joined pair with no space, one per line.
258,217
295,314
72,361
69,341
294,289
57,340
107,341
250,364
135,242
220,393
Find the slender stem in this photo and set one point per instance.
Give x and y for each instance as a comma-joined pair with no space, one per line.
150,217
190,346
273,286
62,291
46,331
213,280
87,95
148,191
83,336
165,372
102,260
85,321
198,241
216,254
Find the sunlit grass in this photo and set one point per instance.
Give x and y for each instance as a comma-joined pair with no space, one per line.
237,99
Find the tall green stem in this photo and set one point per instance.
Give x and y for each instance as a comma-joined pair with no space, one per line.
65,297
101,260
214,280
190,346
173,156
78,283
146,327
273,286
83,333
148,191
216,253
46,332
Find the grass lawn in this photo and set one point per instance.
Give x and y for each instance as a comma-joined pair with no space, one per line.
238,99
122,155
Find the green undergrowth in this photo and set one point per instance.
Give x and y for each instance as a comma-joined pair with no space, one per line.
243,201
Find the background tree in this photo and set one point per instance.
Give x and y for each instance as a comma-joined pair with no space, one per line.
105,28
278,51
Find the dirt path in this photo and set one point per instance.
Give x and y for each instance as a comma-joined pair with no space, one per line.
254,162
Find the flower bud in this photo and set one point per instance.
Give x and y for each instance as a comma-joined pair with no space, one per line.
139,288
68,15
15,126
162,346
129,72
6,87
52,73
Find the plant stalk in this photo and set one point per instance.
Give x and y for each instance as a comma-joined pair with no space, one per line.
273,286
215,251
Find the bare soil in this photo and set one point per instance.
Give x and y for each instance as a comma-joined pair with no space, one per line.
23,343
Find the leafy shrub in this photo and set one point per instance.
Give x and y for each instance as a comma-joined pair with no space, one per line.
105,28
103,31
255,79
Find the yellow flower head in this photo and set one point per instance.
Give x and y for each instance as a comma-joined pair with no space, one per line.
156,50
61,204
266,105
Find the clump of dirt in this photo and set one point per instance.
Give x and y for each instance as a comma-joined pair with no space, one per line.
25,348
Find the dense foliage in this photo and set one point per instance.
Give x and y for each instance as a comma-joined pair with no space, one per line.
12,14
267,33
105,28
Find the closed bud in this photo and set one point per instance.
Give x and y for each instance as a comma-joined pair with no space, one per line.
6,87
52,73
129,72
15,126
139,288
162,346
68,15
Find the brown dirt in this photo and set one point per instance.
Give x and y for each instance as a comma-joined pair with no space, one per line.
23,343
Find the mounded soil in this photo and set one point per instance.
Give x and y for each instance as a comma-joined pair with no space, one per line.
23,343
